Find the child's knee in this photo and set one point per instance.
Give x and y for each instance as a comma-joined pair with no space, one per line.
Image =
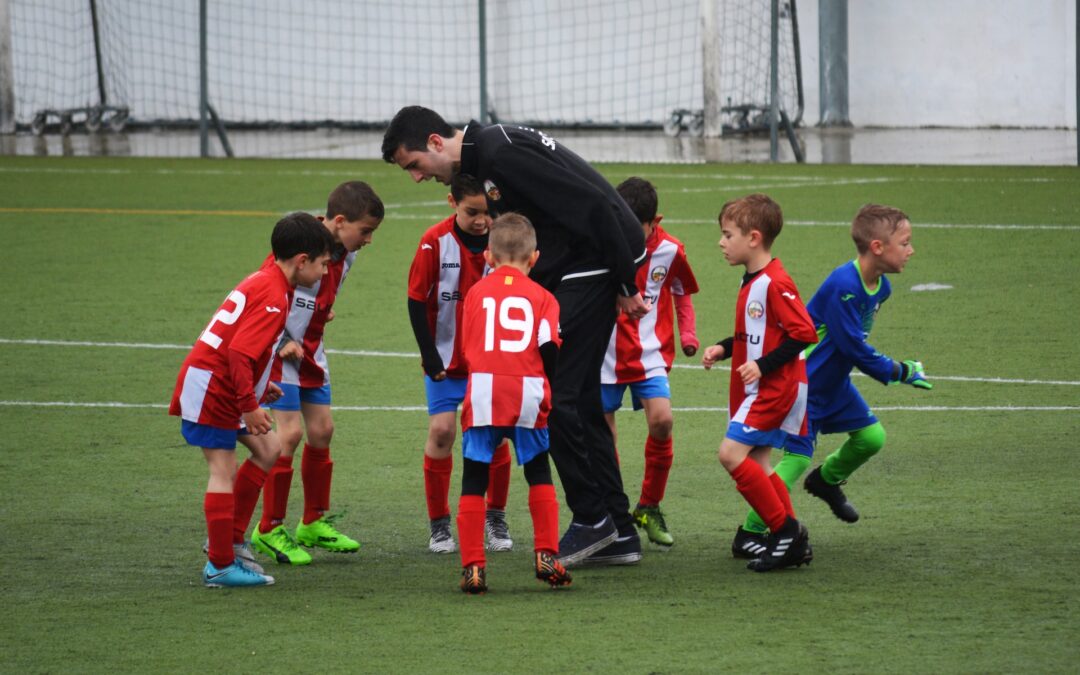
870,440
321,433
660,427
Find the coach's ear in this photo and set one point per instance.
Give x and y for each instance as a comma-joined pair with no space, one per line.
435,143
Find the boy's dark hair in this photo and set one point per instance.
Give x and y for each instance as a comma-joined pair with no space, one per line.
875,221
462,185
640,196
299,233
410,128
755,212
355,200
512,238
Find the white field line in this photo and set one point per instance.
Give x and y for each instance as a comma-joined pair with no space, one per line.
414,355
932,226
420,408
774,186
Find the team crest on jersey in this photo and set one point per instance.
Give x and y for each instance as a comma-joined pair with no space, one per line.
658,273
492,191
755,310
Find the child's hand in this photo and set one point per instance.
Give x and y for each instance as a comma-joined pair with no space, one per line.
749,372
689,350
711,355
292,351
273,393
258,422
329,316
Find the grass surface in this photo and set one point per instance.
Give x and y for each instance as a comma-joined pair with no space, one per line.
961,563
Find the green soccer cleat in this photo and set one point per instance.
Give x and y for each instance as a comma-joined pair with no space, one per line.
651,519
322,534
280,545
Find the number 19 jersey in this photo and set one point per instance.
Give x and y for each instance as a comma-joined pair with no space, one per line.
506,319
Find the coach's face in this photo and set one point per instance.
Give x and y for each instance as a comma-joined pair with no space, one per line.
434,162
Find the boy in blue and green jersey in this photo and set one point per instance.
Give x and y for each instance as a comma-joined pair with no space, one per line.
843,310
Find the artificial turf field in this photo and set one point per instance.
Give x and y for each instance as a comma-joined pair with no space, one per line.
962,562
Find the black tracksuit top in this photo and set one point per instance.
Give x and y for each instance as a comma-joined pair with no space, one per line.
583,227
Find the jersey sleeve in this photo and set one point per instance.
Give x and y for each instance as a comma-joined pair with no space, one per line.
843,326
683,281
423,273
791,313
547,329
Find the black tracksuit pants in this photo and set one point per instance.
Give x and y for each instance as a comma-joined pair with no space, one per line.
581,442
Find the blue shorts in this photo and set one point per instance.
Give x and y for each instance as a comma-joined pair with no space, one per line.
479,443
849,412
773,438
444,396
653,387
206,436
293,394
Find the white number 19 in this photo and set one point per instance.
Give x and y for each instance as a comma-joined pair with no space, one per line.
523,325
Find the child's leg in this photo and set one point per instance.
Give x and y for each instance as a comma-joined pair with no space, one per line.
789,469
218,505
470,517
543,505
861,445
499,478
279,482
316,467
250,478
439,462
658,450
752,482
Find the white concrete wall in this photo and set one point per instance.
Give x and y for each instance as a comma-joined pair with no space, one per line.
962,63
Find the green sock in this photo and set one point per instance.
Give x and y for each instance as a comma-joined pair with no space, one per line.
790,468
860,446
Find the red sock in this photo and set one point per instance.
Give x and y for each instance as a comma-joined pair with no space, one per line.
782,493
276,494
499,477
758,491
437,485
316,470
249,483
658,457
470,529
544,509
218,507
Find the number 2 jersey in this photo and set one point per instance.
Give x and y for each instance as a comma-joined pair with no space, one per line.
506,319
640,349
767,312
307,322
250,323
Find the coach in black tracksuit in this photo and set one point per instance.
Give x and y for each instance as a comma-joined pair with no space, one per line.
590,246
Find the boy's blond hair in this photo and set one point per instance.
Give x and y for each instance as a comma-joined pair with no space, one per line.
875,222
512,238
755,212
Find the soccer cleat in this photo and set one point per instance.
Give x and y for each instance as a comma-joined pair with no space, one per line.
580,541
832,495
651,519
625,550
442,537
280,545
235,575
498,533
473,580
321,533
550,571
787,547
243,555
747,544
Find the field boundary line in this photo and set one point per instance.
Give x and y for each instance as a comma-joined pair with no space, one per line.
932,226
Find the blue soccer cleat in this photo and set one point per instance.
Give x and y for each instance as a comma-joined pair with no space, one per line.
233,576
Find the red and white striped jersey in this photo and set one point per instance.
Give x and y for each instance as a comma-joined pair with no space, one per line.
442,272
640,349
250,321
307,322
507,318
768,311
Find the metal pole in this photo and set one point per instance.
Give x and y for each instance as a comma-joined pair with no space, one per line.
483,62
204,87
711,65
774,84
833,63
1076,39
102,100
7,71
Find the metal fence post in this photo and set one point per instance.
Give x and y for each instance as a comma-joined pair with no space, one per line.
774,83
204,86
483,63
833,63
7,71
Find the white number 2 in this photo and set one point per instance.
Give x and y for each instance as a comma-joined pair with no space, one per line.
227,318
523,325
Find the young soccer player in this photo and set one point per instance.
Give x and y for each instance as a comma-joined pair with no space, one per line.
353,213
222,380
843,310
768,376
640,354
448,261
510,339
